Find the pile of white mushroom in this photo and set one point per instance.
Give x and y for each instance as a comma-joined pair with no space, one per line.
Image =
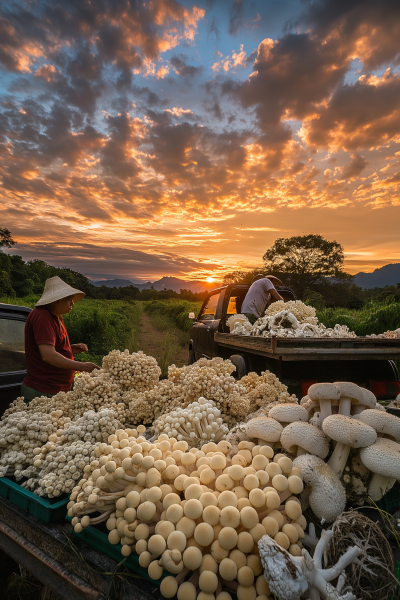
211,379
287,319
198,423
345,445
21,433
50,451
197,514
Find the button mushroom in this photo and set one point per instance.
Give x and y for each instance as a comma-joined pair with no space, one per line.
383,459
348,433
350,393
326,394
265,430
383,423
304,438
288,413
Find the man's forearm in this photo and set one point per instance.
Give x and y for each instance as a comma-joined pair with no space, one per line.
58,360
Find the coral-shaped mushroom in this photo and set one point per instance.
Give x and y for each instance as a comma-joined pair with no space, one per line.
291,576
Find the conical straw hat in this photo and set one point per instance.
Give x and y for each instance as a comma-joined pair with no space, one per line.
56,289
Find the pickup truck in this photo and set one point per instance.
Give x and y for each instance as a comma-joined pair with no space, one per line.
297,362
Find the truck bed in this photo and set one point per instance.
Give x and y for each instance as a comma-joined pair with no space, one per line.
66,564
289,349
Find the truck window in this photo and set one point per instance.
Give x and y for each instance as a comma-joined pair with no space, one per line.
235,302
12,346
209,311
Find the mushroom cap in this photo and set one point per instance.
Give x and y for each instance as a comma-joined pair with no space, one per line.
382,422
264,428
349,431
323,391
382,457
350,390
306,436
328,496
288,413
369,398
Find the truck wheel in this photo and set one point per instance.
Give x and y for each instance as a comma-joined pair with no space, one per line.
240,364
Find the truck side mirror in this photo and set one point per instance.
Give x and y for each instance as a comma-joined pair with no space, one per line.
191,315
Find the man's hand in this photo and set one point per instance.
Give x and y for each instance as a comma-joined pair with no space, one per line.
87,367
78,348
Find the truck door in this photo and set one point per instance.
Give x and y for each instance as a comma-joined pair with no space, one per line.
203,330
12,352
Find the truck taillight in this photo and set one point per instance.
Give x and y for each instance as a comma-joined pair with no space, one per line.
305,385
384,388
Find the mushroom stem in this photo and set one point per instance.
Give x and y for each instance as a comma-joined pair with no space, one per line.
379,486
264,443
339,457
181,576
301,451
345,406
325,408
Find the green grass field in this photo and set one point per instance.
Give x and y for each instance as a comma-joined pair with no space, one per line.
374,317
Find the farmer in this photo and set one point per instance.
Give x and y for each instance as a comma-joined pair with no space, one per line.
49,355
258,296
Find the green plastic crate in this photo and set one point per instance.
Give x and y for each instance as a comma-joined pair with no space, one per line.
41,508
391,500
99,541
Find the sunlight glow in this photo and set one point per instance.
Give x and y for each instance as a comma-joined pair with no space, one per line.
210,279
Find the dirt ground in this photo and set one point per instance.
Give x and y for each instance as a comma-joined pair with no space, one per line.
163,345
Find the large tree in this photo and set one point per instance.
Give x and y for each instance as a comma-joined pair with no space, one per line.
304,261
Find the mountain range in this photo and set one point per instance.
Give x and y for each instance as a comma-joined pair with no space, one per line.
387,275
165,283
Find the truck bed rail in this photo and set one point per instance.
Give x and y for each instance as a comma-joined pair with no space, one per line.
357,348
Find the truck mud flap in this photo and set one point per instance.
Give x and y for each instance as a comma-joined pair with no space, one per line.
49,571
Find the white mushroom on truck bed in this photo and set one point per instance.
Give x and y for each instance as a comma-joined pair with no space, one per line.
369,401
383,459
302,438
348,433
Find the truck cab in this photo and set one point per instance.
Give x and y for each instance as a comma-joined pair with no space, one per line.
219,305
12,352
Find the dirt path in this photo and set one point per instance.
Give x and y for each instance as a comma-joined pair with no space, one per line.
160,344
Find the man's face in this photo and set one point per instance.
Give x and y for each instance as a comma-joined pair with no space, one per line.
63,306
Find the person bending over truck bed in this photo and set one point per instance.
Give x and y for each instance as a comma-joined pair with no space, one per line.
49,355
258,296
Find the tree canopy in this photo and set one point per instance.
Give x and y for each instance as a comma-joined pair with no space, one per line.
305,260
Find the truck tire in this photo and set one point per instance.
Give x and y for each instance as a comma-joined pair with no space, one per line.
240,364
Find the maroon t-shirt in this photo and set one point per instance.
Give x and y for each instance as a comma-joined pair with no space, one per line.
42,327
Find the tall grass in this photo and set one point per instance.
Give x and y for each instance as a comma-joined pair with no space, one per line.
176,310
103,325
374,317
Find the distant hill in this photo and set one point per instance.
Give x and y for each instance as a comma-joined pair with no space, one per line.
113,283
165,283
387,275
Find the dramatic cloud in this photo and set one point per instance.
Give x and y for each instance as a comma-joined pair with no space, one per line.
168,137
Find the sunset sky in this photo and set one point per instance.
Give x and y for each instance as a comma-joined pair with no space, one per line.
142,139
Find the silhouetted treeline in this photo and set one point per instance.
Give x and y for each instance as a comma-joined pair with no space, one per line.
19,279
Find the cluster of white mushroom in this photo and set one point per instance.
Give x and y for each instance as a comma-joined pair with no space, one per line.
287,319
334,420
285,324
387,334
20,433
265,391
198,423
132,371
211,379
197,514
